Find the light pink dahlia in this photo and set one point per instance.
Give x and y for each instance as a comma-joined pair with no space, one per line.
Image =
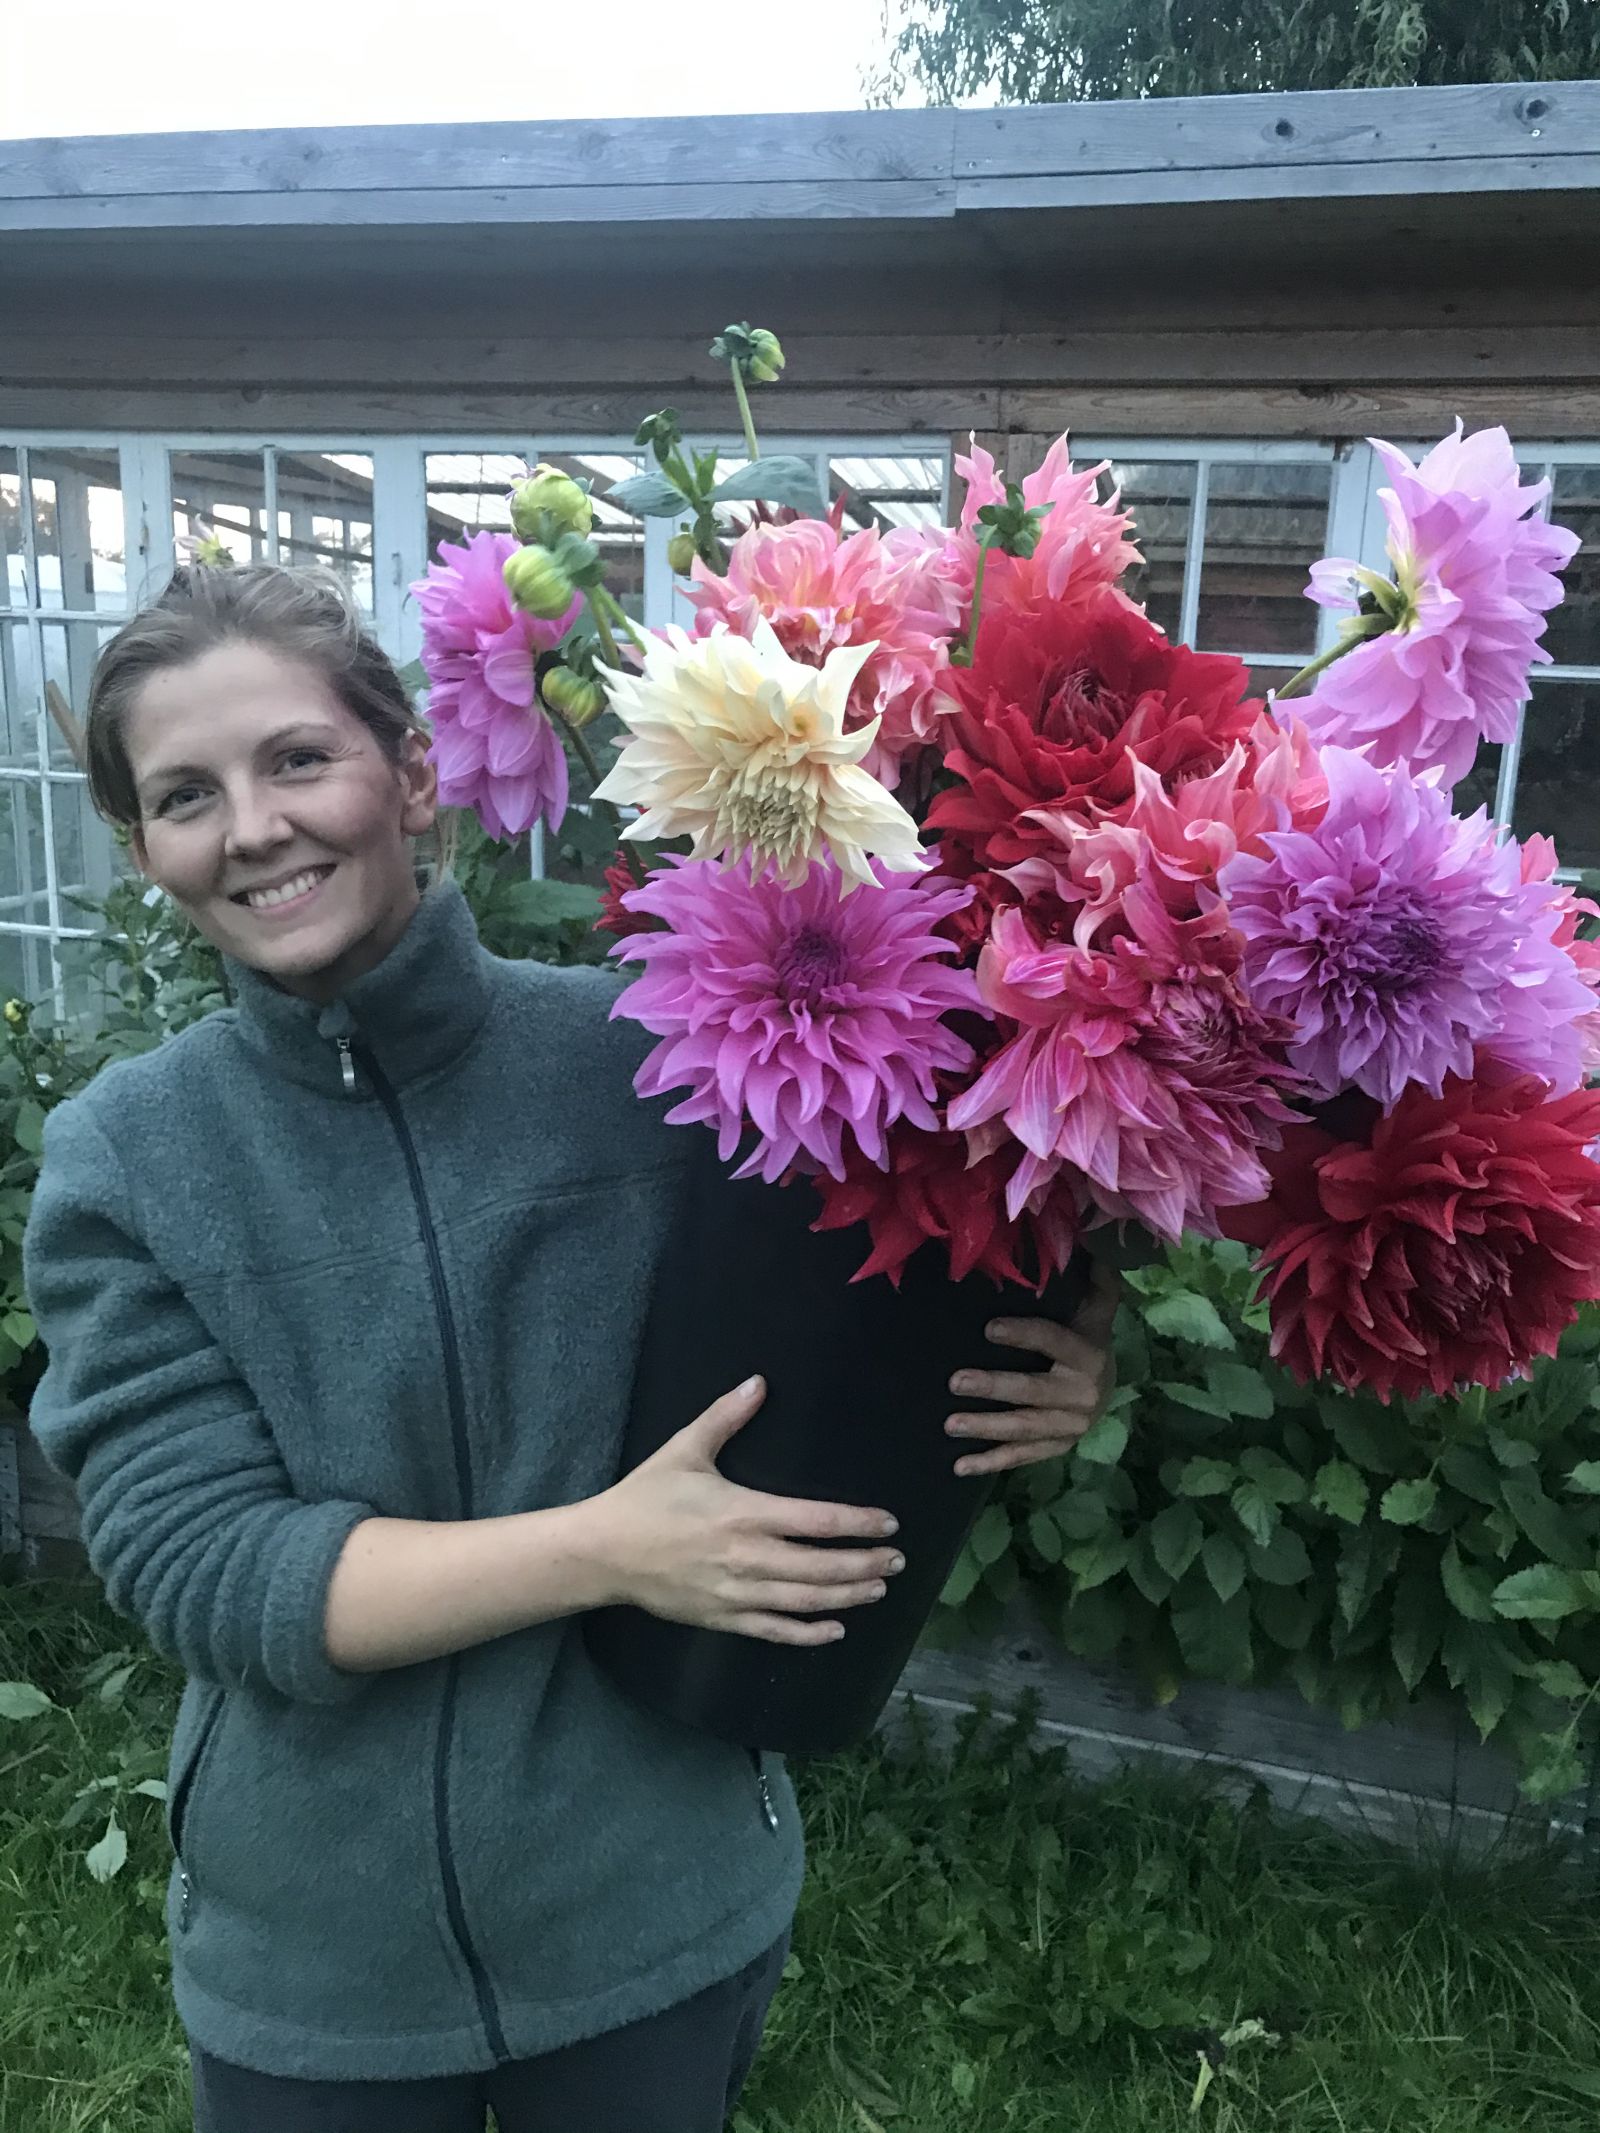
820,590
1142,1072
1475,571
1397,937
1083,547
815,1019
495,750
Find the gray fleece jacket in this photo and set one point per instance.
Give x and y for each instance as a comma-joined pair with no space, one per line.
299,1266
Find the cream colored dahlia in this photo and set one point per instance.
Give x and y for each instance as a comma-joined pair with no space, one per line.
744,750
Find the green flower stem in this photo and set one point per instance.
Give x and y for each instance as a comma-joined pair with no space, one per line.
743,398
602,628
585,756
620,614
963,657
1298,684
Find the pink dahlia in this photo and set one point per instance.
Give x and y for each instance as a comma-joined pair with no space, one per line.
1396,937
1083,547
819,590
1475,571
816,1019
495,750
1143,1070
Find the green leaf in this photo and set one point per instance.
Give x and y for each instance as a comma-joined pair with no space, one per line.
1468,1471
28,1126
1468,1587
1543,1593
1098,1561
649,495
1274,1477
958,1585
1366,1562
781,479
1184,1316
1104,1443
1224,1564
1417,1625
1373,1438
1257,1513
1287,1614
1512,1451
1203,1403
1408,1503
1341,1490
1283,1560
1176,1534
20,1699
1553,1531
113,1688
1240,1387
110,1855
152,1788
1561,1679
1206,1477
1214,1637
1585,1476
1045,1535
991,1536
18,1326
548,904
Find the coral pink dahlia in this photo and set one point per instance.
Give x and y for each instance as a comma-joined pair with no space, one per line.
495,750
817,1020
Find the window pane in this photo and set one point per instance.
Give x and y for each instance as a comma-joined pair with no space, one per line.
22,875
1160,493
88,857
19,697
1265,527
1573,635
78,527
469,491
70,651
222,493
1481,783
617,534
325,515
24,965
1560,771
887,492
13,591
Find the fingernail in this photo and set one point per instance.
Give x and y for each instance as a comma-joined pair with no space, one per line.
835,1632
956,1427
889,1525
879,1590
750,1385
897,1563
962,1381
965,1466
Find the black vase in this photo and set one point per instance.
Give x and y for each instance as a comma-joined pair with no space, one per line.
857,1395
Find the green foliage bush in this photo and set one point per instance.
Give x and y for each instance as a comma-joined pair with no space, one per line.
1222,1520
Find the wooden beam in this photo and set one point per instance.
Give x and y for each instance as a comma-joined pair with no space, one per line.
1530,172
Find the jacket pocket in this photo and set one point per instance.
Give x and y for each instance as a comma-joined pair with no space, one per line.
189,1773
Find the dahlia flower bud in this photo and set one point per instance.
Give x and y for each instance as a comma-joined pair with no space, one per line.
752,349
547,493
574,695
662,432
16,1013
681,553
537,583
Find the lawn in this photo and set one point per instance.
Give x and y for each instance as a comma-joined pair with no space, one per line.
985,1944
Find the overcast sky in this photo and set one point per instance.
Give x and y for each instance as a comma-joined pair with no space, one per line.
109,66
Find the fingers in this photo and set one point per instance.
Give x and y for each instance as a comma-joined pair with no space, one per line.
784,1629
774,1598
724,1418
1066,1389
826,1566
800,1518
1008,1456
1043,1336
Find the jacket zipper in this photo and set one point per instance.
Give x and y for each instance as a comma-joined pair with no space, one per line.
181,1799
455,1396
769,1813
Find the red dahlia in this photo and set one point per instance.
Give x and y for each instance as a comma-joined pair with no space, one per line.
1052,710
929,1194
1450,1244
615,917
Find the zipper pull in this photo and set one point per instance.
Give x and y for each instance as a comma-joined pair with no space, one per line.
185,1890
347,1066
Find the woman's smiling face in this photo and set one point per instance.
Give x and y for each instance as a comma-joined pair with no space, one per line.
271,815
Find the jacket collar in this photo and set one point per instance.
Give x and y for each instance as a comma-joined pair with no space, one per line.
415,1013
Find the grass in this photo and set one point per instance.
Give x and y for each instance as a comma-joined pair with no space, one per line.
985,1945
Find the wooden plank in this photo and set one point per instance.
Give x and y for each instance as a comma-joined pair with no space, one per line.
1309,181
1394,1778
1172,353
808,201
687,152
1470,125
1316,411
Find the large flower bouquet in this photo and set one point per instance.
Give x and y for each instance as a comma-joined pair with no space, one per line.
1005,921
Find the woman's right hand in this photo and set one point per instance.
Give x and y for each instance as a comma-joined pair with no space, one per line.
686,1543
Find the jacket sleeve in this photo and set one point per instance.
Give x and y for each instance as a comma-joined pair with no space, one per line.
188,1514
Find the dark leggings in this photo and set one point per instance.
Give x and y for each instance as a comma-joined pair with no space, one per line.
676,2072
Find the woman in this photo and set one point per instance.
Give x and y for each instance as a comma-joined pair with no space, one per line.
341,1291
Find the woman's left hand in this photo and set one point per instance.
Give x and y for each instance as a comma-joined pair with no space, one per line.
1046,1411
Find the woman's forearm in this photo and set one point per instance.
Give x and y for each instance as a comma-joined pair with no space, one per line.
406,1589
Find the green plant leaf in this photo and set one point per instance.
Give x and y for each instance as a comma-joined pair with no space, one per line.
1195,1396
544,903
1214,1637
1282,1560
1468,1471
1045,1535
1417,1625
1367,1558
1372,1437
963,1577
1207,1477
1240,1387
20,1700
1223,1560
649,495
991,1536
781,479
1256,1512
1341,1490
1561,1679
1176,1534
1184,1316
1553,1531
1585,1476
1543,1593
1098,1560
1408,1503
27,1128
1104,1443
1467,1586
106,1859
1274,1477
